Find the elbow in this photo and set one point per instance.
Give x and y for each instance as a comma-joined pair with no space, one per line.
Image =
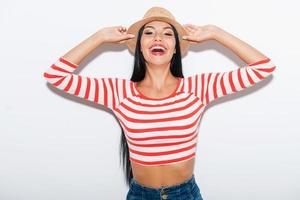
265,65
270,65
53,79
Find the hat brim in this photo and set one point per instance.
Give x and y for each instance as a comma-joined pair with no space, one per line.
134,28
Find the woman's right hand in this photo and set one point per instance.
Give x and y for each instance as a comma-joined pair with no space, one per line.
115,34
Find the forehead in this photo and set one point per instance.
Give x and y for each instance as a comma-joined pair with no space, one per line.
158,25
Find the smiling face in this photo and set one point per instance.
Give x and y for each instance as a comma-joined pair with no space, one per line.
158,43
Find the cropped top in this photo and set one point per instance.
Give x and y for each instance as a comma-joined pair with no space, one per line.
158,131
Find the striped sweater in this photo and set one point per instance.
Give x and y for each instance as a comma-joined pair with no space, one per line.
158,131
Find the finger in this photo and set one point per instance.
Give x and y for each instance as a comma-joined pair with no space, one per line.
189,38
189,29
192,42
187,26
196,28
121,28
192,30
191,26
130,35
185,37
127,36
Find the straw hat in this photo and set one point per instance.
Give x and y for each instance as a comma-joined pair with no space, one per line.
161,14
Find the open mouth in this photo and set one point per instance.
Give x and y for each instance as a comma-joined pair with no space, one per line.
158,51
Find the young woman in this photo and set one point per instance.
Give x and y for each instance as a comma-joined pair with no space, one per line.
158,108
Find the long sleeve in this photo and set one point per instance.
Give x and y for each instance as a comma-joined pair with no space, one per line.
213,85
105,91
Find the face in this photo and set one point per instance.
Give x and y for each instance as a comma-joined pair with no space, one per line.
158,33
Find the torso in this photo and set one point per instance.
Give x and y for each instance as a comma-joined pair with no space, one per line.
162,175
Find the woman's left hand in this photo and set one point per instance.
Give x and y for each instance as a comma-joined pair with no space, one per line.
197,34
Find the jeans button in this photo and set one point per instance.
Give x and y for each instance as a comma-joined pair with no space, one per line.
164,196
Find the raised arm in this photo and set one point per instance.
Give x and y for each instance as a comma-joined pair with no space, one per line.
105,91
211,86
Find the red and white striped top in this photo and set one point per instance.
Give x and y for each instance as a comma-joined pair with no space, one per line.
159,131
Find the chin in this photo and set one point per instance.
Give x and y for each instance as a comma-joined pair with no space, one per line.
157,60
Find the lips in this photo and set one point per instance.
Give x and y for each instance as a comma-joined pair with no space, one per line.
157,45
158,49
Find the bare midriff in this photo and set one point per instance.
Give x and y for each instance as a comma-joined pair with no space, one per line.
163,175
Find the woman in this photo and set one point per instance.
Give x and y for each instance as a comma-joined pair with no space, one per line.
158,108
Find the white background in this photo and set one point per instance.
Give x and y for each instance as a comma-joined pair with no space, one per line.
57,147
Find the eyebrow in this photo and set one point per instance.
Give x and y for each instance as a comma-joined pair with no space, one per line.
166,27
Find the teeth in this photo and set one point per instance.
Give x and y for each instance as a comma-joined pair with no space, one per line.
157,47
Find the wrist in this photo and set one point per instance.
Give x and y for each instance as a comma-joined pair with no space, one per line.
216,32
98,38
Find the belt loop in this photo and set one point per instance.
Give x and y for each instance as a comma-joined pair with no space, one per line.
164,194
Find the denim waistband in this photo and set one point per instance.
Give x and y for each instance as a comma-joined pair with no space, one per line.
140,186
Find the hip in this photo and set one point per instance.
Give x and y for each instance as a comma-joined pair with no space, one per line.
187,190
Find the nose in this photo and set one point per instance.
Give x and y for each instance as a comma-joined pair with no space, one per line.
157,36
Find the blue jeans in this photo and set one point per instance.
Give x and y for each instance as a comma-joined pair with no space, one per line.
188,190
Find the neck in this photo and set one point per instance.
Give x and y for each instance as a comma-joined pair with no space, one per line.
158,76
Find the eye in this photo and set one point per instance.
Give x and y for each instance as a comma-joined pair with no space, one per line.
149,33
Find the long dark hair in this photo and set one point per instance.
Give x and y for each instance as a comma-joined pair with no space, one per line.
138,74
